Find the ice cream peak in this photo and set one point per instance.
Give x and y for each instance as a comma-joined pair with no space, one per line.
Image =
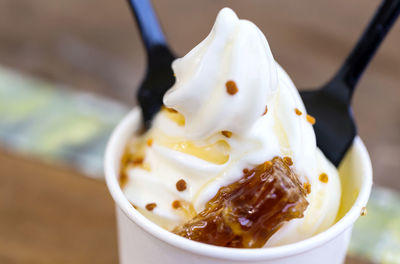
232,108
225,82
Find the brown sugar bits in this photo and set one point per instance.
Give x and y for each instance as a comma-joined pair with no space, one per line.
181,185
363,211
323,177
310,119
231,87
266,110
288,160
149,142
151,206
298,112
176,204
226,133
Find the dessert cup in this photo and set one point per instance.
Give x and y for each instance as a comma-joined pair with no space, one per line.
142,241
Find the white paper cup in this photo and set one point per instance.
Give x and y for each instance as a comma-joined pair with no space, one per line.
142,241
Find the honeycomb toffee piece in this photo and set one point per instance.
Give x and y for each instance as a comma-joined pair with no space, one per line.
246,213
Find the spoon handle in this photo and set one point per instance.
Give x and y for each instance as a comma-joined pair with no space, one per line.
366,47
150,29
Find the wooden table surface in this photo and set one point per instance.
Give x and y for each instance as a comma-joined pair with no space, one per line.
50,214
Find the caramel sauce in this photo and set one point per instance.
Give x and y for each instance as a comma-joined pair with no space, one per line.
130,159
217,153
174,115
127,160
184,209
246,213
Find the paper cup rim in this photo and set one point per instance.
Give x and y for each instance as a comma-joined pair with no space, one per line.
203,249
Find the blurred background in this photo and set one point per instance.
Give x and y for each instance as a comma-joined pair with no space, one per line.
69,72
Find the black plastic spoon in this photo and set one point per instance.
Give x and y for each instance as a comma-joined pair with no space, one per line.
159,76
335,128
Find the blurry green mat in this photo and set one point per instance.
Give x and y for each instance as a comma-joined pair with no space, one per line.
58,125
54,123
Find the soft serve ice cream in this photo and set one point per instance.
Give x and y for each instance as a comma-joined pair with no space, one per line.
232,108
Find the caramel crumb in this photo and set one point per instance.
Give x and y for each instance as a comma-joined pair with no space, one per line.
151,206
226,133
363,211
176,204
134,206
267,165
246,213
288,160
323,177
266,110
150,142
307,187
310,119
181,185
231,87
298,112
245,170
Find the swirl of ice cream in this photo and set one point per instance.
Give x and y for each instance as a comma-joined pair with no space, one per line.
232,107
